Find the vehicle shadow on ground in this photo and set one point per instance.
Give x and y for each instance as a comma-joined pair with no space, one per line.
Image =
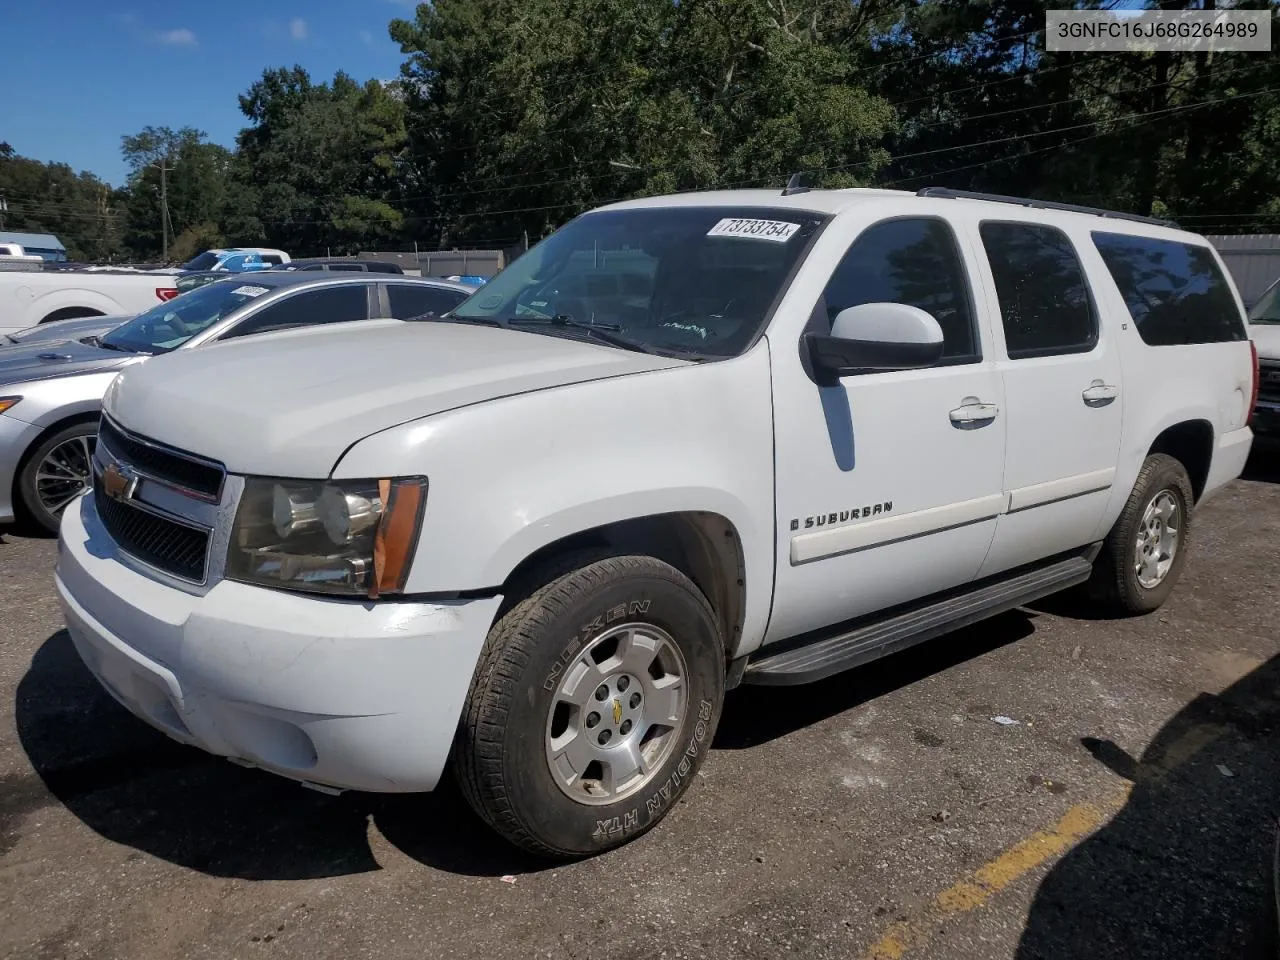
1186,868
755,715
136,787
1264,463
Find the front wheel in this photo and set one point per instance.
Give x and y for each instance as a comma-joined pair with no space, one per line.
592,708
59,469
1147,548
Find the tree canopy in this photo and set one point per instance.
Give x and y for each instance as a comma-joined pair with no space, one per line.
511,116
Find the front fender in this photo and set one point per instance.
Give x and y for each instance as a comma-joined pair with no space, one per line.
510,476
46,402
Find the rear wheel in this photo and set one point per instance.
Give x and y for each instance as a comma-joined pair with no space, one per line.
1147,548
593,705
58,470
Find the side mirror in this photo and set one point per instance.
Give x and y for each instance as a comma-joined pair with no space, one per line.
876,336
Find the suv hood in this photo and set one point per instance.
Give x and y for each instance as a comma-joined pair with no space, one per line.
1267,338
289,404
46,359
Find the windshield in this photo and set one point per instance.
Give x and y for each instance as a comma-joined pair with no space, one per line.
205,261
169,325
697,280
1267,310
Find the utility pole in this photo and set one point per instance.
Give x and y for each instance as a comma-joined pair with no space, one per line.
164,210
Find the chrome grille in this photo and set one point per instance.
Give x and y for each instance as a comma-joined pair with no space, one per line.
167,544
159,504
190,474
1269,381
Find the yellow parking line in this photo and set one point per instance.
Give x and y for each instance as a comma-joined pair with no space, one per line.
978,887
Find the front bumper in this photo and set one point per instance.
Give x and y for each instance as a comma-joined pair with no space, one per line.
16,438
354,695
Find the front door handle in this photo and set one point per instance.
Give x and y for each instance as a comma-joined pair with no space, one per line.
1099,394
973,413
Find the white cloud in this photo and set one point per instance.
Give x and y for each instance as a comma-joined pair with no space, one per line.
298,29
181,37
367,37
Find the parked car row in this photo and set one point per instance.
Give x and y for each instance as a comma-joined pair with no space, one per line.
683,443
53,376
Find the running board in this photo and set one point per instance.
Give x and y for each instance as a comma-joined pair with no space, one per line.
852,648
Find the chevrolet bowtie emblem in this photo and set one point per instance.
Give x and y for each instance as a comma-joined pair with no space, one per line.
119,482
617,711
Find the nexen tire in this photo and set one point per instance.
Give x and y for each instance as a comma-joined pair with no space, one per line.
502,756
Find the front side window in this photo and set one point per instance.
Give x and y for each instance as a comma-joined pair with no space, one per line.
1174,291
693,280
168,326
914,261
308,309
1044,298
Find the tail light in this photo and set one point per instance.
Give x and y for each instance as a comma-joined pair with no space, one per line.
1257,382
166,293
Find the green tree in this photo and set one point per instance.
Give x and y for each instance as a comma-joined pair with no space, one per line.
323,162
78,208
524,112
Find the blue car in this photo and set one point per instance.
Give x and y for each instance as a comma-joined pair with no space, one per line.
236,260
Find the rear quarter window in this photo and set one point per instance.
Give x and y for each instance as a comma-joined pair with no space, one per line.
1175,292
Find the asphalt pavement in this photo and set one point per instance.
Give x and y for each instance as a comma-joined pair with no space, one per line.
1127,810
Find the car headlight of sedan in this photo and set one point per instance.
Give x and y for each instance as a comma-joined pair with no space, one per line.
344,537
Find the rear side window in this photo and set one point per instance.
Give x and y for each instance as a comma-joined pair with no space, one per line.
308,309
408,300
1044,299
913,261
1175,292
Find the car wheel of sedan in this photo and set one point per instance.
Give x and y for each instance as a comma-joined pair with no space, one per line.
58,470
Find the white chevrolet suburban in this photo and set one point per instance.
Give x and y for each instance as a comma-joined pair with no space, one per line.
684,443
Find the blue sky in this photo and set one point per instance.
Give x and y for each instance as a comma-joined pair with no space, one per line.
82,73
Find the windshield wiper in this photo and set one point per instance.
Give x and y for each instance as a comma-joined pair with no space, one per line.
610,333
108,345
453,318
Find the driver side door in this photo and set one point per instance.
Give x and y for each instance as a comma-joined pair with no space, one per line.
888,483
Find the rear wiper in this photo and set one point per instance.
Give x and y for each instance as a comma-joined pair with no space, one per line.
610,333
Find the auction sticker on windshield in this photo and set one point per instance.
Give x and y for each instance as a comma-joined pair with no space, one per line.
777,230
250,291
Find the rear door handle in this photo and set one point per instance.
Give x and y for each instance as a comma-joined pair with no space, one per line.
973,413
1099,394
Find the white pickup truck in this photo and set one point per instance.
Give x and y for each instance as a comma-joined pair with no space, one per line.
684,443
32,296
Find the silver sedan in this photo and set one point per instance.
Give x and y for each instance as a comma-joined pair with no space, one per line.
51,389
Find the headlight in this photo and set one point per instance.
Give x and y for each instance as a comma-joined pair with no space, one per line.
7,402
348,537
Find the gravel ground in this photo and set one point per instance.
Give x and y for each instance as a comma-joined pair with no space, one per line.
1129,812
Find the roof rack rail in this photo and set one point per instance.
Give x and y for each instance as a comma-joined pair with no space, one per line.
949,194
